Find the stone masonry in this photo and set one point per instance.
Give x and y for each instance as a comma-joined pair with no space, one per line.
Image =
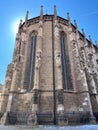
53,77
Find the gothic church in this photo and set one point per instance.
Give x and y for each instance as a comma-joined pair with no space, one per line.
53,76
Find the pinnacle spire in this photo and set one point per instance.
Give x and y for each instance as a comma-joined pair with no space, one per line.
90,38
20,23
75,24
83,32
68,16
41,12
26,17
55,12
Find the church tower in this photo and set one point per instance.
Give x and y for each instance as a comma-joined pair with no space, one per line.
53,77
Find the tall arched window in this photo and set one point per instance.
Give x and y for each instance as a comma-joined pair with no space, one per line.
30,64
67,84
32,60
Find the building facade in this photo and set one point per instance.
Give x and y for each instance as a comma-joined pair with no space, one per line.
53,77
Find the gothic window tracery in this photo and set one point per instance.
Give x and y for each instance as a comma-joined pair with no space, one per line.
67,85
30,66
32,60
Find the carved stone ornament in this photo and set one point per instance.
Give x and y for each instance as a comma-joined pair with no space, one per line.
70,30
38,58
23,37
72,36
40,24
56,23
58,58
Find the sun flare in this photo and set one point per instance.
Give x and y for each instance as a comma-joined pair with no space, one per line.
15,26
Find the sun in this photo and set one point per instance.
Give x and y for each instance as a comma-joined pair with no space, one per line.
15,26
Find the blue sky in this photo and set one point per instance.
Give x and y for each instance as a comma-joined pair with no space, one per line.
84,11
